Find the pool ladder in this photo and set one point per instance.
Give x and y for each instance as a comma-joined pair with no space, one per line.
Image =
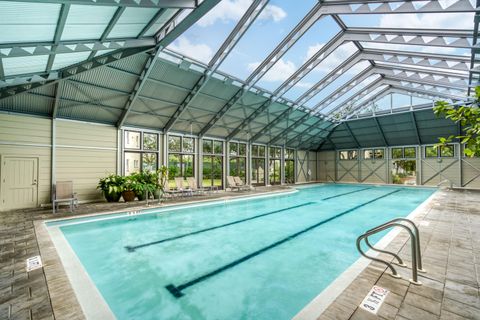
415,247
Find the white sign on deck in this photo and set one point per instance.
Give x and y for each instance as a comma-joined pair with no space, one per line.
34,263
374,299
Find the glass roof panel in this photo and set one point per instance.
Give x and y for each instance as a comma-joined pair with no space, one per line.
66,59
164,18
87,22
205,37
444,20
341,80
131,22
415,48
277,20
24,65
27,22
322,69
312,41
352,93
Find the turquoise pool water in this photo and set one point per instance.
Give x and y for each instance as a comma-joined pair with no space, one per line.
261,258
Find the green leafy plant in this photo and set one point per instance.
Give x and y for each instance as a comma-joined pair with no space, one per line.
112,187
469,119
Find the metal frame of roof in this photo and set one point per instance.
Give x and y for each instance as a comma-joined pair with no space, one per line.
221,105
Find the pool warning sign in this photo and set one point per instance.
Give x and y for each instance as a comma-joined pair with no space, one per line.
374,299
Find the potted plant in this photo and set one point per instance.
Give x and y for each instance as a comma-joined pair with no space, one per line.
112,187
144,182
129,187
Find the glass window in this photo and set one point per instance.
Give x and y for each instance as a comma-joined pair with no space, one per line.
368,154
149,161
410,152
289,153
188,145
447,151
343,155
379,153
132,162
275,173
212,171
150,141
275,152
397,153
233,146
174,144
255,151
261,151
218,147
431,152
132,140
352,155
289,171
242,149
207,146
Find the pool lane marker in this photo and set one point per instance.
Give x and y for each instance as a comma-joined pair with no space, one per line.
176,291
344,194
133,248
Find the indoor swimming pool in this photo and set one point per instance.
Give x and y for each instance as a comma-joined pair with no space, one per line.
254,258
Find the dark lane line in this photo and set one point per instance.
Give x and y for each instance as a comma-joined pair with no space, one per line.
343,194
176,291
133,248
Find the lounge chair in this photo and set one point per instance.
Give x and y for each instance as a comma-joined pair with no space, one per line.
232,184
192,183
170,193
181,188
64,193
241,184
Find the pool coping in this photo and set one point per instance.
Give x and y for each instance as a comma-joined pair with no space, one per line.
327,296
67,280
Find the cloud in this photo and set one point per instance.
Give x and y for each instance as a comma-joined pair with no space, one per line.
233,10
272,12
279,72
201,52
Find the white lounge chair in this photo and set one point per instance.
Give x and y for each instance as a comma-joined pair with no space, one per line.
241,184
232,184
181,187
192,183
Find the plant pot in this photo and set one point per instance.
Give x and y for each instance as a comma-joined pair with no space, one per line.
112,197
128,196
157,194
141,196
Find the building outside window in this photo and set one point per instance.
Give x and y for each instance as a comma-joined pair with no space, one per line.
348,155
274,163
238,159
141,151
181,158
258,165
373,154
289,166
212,163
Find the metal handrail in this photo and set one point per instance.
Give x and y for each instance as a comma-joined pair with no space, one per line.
415,247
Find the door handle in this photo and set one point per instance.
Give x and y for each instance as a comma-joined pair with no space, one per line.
34,183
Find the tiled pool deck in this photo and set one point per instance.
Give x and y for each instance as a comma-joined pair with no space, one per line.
450,231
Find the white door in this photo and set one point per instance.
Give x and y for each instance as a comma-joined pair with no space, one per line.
19,182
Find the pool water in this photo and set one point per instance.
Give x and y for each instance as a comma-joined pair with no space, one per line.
261,258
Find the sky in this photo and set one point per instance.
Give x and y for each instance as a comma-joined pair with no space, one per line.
204,38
